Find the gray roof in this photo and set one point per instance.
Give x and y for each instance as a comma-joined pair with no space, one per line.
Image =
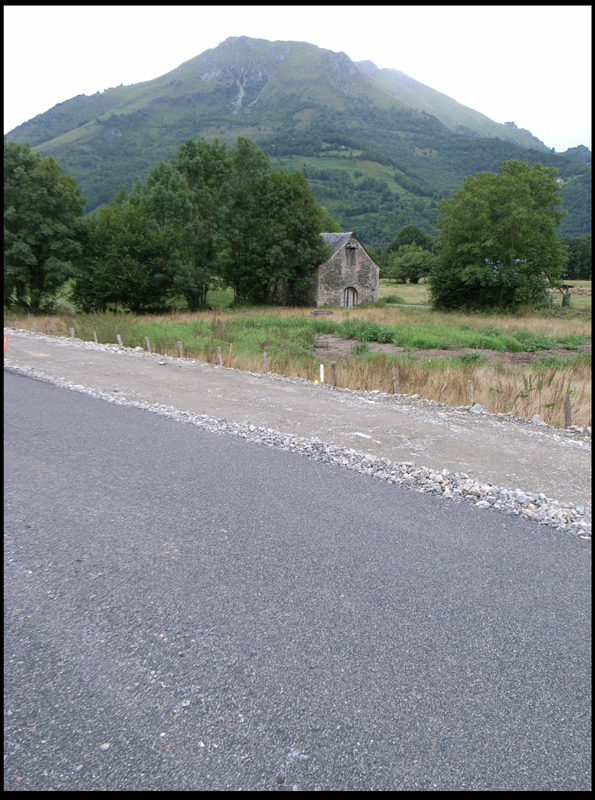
336,240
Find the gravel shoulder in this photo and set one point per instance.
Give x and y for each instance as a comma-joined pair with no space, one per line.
500,451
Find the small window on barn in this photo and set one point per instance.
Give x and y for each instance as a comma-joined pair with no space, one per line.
350,256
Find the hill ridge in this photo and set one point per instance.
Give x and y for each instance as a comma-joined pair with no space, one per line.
375,160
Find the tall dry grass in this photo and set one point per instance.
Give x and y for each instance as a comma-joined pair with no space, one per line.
501,386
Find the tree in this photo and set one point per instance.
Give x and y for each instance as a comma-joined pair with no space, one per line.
271,226
498,244
244,219
327,222
578,266
206,169
411,234
129,260
410,263
292,245
43,213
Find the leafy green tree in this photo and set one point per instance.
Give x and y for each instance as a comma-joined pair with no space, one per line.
244,219
327,222
43,212
578,266
292,245
207,170
411,263
499,245
271,227
130,261
412,235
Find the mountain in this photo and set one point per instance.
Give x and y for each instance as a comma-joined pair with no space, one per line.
379,149
580,153
457,117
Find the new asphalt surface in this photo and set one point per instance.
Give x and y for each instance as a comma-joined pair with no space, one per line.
187,610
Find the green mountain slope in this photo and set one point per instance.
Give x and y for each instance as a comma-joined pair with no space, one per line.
376,156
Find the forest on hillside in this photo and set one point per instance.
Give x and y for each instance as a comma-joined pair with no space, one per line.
399,162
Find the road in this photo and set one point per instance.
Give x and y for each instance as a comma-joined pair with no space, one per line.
501,452
186,610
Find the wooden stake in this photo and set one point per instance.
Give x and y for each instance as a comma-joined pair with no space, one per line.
395,380
333,377
322,373
230,346
147,344
219,357
567,411
181,349
470,391
95,337
266,364
119,338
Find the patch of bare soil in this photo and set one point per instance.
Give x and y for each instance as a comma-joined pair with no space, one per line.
328,346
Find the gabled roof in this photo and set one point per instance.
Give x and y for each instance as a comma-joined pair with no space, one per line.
336,240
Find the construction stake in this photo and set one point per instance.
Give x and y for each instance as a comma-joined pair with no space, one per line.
567,411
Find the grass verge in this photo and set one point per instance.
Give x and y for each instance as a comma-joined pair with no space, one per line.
288,336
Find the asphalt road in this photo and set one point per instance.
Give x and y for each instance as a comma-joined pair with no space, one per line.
189,611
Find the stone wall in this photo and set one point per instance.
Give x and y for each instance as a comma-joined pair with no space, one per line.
334,276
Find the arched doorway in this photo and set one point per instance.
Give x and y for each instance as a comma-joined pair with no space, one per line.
349,299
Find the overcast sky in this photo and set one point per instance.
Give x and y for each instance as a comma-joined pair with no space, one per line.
527,64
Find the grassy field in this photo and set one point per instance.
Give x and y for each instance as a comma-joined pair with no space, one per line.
288,336
420,293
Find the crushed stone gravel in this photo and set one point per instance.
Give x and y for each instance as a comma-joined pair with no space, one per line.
453,486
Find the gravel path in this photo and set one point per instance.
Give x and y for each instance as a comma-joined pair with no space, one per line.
497,462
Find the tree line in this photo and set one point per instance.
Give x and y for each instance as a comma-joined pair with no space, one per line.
498,245
213,215
429,178
219,216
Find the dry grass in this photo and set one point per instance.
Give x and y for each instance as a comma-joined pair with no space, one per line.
501,386
410,292
565,325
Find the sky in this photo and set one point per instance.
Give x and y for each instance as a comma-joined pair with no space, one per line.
527,64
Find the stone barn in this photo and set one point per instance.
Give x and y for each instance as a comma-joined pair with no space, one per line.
349,276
